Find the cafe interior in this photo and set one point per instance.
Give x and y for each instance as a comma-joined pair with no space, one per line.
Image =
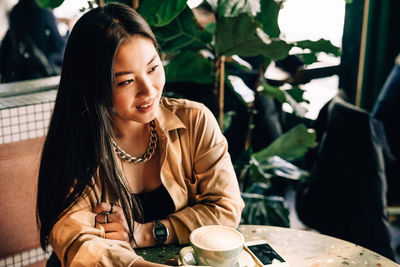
305,92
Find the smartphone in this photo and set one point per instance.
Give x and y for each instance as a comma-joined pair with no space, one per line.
263,254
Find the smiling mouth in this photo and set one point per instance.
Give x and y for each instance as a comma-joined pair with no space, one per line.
145,106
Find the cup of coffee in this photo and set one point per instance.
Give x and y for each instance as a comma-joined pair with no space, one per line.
213,245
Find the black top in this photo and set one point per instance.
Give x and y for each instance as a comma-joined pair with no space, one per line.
156,204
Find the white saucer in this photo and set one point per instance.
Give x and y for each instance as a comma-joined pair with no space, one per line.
245,260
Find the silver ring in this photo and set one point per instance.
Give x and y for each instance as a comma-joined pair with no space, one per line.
106,220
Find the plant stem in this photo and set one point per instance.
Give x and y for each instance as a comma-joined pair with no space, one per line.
100,3
219,87
251,106
251,111
216,91
135,4
216,71
221,92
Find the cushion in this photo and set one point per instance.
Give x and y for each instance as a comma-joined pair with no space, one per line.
19,166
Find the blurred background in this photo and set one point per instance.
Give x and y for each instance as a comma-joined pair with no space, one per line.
305,91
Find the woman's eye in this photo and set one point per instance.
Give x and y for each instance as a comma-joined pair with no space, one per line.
153,68
125,82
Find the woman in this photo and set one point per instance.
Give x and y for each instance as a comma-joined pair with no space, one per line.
122,166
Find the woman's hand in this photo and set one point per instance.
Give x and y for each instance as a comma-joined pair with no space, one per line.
116,227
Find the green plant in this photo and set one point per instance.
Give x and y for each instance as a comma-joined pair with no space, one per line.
199,54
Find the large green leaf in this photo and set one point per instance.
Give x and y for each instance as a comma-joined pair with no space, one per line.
49,3
159,13
293,97
268,17
182,34
189,67
291,145
274,92
298,109
308,58
228,118
322,45
264,210
297,94
210,27
274,167
256,173
238,65
241,36
232,8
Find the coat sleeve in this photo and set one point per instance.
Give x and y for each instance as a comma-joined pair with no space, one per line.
214,185
78,240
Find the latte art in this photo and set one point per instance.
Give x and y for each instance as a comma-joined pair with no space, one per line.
216,238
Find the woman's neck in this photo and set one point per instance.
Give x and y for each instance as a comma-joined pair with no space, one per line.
133,137
129,129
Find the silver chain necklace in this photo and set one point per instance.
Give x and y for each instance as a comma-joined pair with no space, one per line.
149,151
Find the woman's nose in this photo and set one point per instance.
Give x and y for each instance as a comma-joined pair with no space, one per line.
145,88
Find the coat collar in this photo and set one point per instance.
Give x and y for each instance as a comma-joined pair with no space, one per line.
166,118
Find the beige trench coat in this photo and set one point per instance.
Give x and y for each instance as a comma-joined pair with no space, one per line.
197,171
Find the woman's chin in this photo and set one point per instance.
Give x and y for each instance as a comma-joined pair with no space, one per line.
146,119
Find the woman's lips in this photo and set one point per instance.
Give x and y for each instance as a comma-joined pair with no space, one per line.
145,107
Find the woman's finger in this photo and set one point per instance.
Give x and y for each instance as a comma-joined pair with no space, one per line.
112,217
104,207
115,231
113,227
115,221
104,218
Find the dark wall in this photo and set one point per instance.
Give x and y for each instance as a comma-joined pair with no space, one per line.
382,46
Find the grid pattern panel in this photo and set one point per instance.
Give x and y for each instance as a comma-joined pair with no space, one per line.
26,258
26,122
25,117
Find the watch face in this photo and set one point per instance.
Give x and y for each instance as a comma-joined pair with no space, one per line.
160,232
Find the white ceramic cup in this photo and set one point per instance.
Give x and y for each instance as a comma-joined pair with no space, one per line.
213,245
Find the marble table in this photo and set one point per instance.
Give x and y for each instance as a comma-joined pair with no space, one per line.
299,248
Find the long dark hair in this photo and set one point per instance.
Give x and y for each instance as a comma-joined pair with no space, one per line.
77,146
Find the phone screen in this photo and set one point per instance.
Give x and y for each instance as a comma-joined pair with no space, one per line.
265,254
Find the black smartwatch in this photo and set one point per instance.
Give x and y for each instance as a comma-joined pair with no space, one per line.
160,232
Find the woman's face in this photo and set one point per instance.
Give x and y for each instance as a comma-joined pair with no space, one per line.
139,80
